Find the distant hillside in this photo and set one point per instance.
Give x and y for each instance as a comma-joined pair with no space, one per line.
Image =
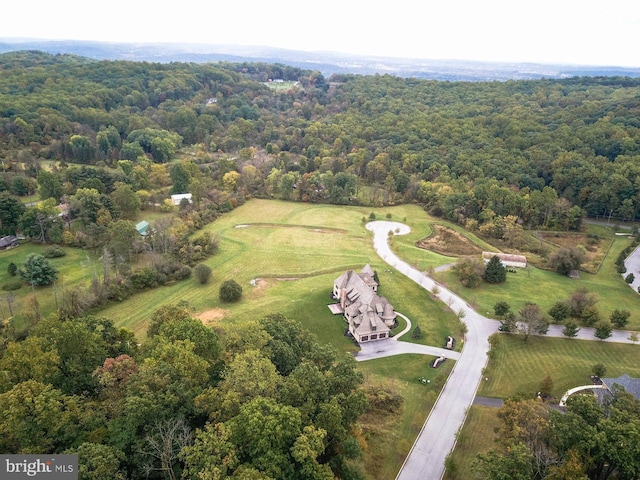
325,62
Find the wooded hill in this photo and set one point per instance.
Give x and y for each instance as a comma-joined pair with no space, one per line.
539,153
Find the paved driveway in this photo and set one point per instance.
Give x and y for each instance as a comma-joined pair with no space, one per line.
438,435
633,266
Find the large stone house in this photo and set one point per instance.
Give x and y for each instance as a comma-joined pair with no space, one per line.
369,316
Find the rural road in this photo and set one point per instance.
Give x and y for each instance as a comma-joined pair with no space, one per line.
437,437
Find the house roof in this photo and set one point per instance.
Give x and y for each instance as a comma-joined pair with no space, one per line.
143,227
369,322
631,385
7,241
365,310
505,257
177,198
355,287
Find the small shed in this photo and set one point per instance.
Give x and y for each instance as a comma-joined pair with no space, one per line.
176,199
143,228
507,259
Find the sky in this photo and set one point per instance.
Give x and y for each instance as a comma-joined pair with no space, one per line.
578,32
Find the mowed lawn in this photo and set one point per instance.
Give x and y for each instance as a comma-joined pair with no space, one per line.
544,288
295,251
76,268
517,367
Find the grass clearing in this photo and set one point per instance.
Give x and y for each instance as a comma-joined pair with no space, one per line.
390,437
517,367
76,268
296,256
476,437
545,288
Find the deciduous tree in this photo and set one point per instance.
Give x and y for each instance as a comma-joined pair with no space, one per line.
566,259
230,291
620,318
531,321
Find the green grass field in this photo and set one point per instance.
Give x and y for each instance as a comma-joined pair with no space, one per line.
304,247
296,256
516,368
545,288
389,438
77,267
476,437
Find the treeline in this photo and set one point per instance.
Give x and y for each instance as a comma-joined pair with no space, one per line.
267,403
544,152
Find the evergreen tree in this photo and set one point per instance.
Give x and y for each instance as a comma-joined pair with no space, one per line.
495,272
417,332
38,271
571,330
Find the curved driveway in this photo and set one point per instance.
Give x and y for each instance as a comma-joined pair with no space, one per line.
438,434
391,346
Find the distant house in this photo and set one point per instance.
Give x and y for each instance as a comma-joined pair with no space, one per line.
368,315
143,228
177,199
8,242
65,210
507,259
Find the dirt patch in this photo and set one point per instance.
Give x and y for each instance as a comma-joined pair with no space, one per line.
213,316
447,241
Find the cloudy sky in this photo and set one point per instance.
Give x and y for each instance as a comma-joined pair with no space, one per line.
543,31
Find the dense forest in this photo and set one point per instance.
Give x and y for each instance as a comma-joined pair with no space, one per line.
543,153
269,403
110,138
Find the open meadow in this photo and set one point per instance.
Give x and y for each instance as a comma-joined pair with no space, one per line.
544,288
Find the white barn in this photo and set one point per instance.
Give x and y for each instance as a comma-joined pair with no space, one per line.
507,259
